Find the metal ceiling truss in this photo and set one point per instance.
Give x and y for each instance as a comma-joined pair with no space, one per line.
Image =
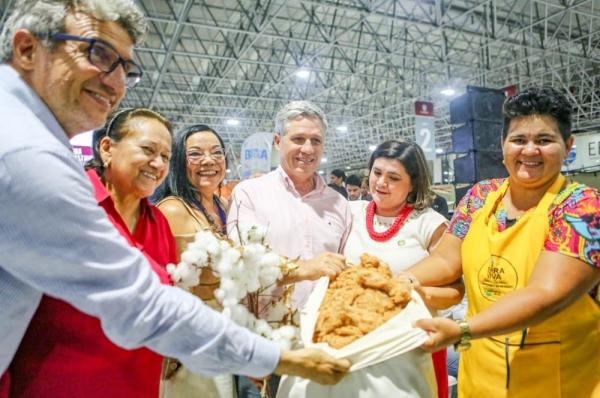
207,61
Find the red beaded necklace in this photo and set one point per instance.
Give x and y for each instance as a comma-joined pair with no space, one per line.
391,231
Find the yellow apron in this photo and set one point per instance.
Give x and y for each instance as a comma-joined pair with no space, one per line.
559,357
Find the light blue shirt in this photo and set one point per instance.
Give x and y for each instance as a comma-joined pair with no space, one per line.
54,239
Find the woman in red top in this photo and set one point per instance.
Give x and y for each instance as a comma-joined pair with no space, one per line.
64,352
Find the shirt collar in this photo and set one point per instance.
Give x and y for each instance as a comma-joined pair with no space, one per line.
11,81
103,196
320,184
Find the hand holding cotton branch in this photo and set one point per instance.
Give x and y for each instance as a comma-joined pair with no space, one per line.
249,274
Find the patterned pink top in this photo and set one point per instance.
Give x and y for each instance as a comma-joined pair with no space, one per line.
574,219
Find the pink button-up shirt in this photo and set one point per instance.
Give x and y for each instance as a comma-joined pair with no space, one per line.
298,226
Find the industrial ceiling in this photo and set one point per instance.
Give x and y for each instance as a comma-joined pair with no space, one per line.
365,62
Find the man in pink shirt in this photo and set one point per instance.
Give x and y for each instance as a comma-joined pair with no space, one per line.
305,218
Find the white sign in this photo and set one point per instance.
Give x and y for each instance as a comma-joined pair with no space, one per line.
255,157
425,135
585,153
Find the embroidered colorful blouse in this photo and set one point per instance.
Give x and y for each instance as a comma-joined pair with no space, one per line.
574,219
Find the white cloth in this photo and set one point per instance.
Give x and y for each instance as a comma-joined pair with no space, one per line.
407,375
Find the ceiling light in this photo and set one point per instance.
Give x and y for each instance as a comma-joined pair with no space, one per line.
439,150
324,160
321,172
233,122
372,147
347,167
448,91
303,73
228,170
343,129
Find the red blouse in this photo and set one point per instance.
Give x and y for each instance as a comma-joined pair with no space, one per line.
64,352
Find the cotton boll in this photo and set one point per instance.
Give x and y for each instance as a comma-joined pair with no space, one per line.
248,234
240,315
219,295
277,311
232,295
213,248
184,275
229,302
231,254
253,252
250,278
275,335
252,284
201,258
196,257
285,345
254,233
241,292
239,268
171,268
204,239
262,327
224,245
228,285
223,268
269,276
288,332
269,259
227,266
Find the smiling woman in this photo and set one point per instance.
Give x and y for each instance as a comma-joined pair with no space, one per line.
189,202
528,249
131,158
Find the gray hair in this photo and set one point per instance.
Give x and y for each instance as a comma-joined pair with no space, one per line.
42,17
297,109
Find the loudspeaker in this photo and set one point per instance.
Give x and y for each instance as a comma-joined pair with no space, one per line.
478,165
477,135
477,104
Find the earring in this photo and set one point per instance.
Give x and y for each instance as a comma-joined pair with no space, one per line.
106,163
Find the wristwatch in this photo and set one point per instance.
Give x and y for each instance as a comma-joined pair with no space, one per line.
465,336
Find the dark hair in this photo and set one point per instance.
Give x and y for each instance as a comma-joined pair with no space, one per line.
411,156
339,174
177,182
539,101
353,179
116,129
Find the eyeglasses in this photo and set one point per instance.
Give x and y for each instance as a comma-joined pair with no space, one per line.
104,57
196,157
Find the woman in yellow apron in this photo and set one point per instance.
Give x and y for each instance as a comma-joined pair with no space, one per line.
528,248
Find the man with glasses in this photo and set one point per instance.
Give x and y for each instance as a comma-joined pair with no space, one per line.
103,56
65,66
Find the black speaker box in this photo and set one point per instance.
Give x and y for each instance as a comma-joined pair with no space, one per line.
477,104
459,193
477,135
478,165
